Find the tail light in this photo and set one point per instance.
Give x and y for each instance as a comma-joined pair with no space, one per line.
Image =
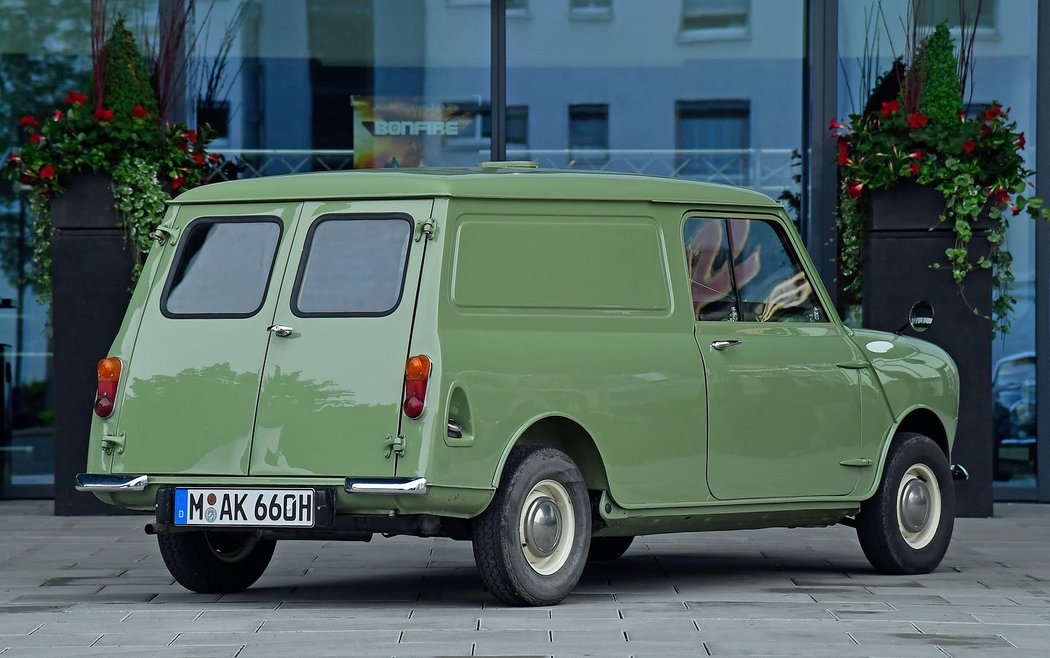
108,378
417,372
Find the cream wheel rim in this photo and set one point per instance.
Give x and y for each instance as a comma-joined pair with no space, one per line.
918,506
547,527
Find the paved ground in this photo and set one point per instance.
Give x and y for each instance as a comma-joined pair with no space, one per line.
97,586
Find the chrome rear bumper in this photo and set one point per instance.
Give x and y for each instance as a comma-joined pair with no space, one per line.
959,472
386,486
92,482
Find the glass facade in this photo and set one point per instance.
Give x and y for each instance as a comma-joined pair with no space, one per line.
709,90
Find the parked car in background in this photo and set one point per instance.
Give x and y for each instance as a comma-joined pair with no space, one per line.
1013,415
545,363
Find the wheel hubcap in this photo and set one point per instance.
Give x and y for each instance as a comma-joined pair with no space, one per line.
915,505
542,526
546,527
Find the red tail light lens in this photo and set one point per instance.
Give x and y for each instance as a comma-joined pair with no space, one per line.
417,373
108,378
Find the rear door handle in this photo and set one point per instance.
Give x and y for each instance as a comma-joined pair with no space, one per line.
280,330
722,344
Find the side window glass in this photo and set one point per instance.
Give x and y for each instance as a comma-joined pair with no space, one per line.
223,268
710,273
770,280
353,266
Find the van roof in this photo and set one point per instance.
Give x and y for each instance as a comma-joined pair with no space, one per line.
473,182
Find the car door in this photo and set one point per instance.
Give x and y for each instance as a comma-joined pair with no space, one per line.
784,401
331,394
193,380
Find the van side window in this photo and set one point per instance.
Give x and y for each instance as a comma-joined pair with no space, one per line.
710,272
353,265
222,268
770,280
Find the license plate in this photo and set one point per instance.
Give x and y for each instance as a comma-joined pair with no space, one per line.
245,507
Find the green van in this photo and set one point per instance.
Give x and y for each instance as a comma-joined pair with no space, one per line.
546,363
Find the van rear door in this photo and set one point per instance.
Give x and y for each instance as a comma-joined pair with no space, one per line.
188,405
331,394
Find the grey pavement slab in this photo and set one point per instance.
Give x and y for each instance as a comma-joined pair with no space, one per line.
97,587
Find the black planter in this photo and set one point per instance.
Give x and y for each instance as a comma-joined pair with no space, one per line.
90,276
903,241
216,115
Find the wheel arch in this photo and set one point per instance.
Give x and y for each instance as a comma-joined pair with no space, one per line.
921,420
567,434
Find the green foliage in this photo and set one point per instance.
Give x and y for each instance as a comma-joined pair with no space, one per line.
147,158
976,164
941,98
127,82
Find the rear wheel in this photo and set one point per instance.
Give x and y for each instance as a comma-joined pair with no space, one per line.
215,562
531,543
906,526
606,549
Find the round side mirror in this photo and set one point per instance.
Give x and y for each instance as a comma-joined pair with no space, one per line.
921,316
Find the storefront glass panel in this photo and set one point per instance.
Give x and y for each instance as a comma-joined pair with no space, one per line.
686,88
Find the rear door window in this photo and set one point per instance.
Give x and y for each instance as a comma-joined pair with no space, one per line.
222,268
353,265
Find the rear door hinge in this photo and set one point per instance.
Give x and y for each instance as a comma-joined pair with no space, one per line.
394,446
111,442
427,228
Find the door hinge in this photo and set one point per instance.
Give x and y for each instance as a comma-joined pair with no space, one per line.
111,442
394,446
164,235
856,462
427,228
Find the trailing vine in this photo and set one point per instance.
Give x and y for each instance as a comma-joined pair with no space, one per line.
976,163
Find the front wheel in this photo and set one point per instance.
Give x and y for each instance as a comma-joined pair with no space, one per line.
531,543
215,562
906,526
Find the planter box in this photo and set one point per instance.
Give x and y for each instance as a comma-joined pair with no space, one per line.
86,203
897,273
909,206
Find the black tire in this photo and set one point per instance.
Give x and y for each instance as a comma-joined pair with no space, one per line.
888,543
607,549
507,571
215,562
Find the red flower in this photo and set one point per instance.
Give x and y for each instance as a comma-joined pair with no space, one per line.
1000,195
138,111
843,146
190,135
26,179
917,120
1020,141
835,125
13,158
992,112
1014,210
969,145
917,154
103,115
854,189
27,121
76,98
198,158
177,182
914,169
213,158
985,130
57,115
890,107
36,138
47,172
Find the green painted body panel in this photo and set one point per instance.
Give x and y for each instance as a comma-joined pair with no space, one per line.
555,307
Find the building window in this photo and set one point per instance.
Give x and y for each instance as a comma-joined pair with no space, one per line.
713,139
475,126
590,10
955,11
589,133
715,19
517,126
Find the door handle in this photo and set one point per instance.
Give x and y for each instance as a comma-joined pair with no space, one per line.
722,344
280,330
